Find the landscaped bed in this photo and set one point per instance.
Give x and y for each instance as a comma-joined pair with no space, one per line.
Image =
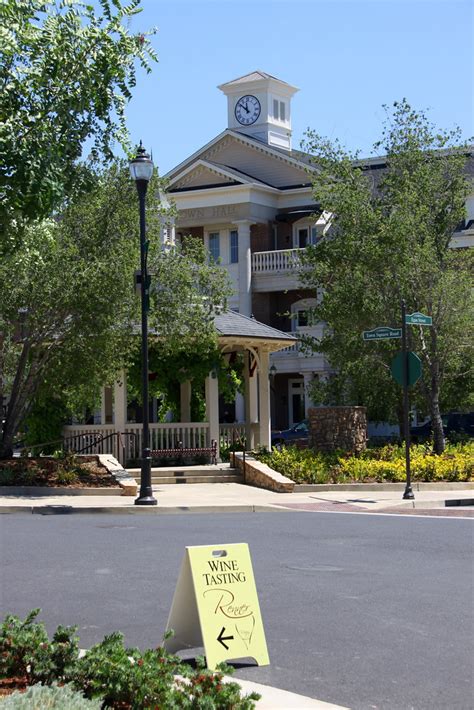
377,465
63,471
109,675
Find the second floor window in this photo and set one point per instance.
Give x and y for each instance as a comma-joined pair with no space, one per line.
306,236
234,246
214,245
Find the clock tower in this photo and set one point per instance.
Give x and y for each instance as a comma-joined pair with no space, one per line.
259,105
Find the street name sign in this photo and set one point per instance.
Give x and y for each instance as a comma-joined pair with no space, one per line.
418,319
414,368
382,333
215,605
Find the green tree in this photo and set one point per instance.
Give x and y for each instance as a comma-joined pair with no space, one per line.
67,69
390,239
69,310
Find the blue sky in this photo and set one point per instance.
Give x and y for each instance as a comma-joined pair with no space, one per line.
348,58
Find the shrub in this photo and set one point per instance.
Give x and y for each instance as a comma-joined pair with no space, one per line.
26,651
109,673
384,464
65,478
7,476
53,697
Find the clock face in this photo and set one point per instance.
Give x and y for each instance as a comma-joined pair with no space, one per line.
247,110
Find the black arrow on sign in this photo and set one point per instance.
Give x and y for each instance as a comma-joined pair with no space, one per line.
222,638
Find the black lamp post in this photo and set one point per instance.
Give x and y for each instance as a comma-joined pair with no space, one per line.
141,170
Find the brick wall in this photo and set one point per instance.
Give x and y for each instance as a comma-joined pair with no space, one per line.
261,237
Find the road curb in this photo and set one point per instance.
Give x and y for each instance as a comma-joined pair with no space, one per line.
137,509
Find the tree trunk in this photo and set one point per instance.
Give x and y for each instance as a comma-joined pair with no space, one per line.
436,421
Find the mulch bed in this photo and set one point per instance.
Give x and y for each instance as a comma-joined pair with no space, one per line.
70,472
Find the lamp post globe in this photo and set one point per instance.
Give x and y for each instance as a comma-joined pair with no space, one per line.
141,171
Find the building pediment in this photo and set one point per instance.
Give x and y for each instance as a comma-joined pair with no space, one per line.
234,158
202,174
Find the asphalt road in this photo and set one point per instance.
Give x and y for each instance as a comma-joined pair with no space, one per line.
359,610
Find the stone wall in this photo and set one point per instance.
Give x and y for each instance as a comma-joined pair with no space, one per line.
262,476
338,428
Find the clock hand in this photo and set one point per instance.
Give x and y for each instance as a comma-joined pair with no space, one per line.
245,107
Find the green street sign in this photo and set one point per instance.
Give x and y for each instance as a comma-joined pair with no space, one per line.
382,333
414,368
418,319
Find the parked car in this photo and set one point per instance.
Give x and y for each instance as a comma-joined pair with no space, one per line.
457,423
297,432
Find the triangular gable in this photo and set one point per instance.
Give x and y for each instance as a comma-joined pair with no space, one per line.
234,151
202,174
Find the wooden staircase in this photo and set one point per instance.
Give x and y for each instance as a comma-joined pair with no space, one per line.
220,473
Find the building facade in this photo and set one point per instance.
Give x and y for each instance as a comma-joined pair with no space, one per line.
247,194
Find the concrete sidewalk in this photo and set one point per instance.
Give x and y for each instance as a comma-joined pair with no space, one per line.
235,497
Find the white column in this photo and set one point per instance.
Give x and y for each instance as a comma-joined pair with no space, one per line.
212,409
239,408
245,268
264,401
251,402
185,401
120,402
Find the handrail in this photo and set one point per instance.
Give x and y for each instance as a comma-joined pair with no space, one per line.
98,440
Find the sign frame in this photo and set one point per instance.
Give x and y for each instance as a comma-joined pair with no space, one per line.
382,333
215,605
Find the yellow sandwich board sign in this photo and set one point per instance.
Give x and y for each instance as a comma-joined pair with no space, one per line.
215,605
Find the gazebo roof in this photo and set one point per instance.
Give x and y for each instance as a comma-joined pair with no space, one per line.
235,328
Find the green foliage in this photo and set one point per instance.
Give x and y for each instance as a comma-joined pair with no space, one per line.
377,465
67,70
45,422
26,651
389,239
117,676
7,476
49,697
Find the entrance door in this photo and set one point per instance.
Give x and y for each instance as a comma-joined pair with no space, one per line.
296,401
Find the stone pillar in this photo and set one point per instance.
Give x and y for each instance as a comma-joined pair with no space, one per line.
264,401
333,428
120,402
212,408
185,401
106,406
251,402
245,268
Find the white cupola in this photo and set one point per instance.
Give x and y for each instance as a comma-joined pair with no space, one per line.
259,105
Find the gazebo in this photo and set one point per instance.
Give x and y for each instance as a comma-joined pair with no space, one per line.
236,334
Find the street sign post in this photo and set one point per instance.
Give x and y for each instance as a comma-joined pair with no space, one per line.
382,333
418,318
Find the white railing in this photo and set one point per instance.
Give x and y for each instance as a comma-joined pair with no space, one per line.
291,349
127,445
189,435
231,433
267,262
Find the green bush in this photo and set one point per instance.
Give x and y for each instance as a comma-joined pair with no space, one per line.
375,465
110,673
49,697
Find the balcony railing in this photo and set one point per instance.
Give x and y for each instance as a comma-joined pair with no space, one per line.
267,262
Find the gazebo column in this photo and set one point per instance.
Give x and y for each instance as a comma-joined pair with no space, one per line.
264,400
106,406
185,401
120,402
212,408
251,402
239,408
